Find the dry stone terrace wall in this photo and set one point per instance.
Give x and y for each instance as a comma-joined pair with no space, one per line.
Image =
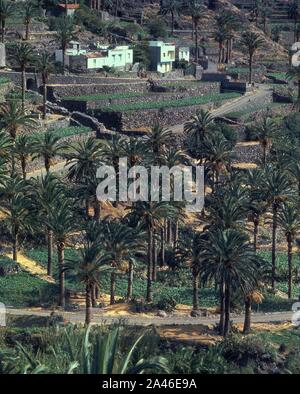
128,120
200,89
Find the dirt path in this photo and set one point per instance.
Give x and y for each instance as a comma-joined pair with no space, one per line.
100,318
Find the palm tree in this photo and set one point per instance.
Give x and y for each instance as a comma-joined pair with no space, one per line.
123,244
87,271
47,146
252,42
196,10
149,214
198,127
278,188
226,25
6,145
15,206
23,55
65,33
28,15
6,10
256,205
265,131
44,66
293,13
157,140
23,150
221,36
46,192
229,259
13,121
61,221
294,74
171,7
217,152
83,160
288,219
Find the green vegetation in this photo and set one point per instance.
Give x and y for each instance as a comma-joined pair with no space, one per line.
185,102
103,96
277,75
4,80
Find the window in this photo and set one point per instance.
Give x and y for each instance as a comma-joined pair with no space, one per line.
120,57
95,62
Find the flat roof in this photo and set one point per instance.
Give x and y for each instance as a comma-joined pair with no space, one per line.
70,6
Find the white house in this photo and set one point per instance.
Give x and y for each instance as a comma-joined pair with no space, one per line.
162,56
183,53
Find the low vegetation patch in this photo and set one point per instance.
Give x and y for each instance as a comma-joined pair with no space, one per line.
185,102
104,96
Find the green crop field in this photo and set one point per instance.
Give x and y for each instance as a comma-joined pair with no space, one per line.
185,102
103,96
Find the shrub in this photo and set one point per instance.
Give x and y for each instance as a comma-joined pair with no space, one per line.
166,303
8,266
243,350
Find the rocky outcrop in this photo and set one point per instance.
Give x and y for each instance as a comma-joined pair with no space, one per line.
79,118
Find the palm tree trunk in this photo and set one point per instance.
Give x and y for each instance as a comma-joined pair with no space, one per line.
255,233
274,233
247,322
112,288
172,16
97,211
149,294
195,291
44,101
250,69
130,281
23,88
154,262
176,232
227,310
61,259
162,247
23,166
299,95
196,43
27,32
2,30
50,251
88,305
47,164
290,267
93,296
222,308
15,243
63,60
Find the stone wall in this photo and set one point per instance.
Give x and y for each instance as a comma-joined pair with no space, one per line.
124,121
198,90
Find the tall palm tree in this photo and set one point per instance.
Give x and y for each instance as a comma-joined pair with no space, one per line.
289,221
23,55
44,66
13,121
47,146
61,221
197,11
157,140
294,74
29,9
251,42
124,244
198,127
6,10
171,7
217,152
265,131
23,151
221,36
294,13
227,24
149,214
229,259
92,262
278,188
83,160
65,33
46,191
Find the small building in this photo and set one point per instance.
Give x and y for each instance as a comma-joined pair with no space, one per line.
162,56
73,50
69,9
118,57
183,54
62,9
